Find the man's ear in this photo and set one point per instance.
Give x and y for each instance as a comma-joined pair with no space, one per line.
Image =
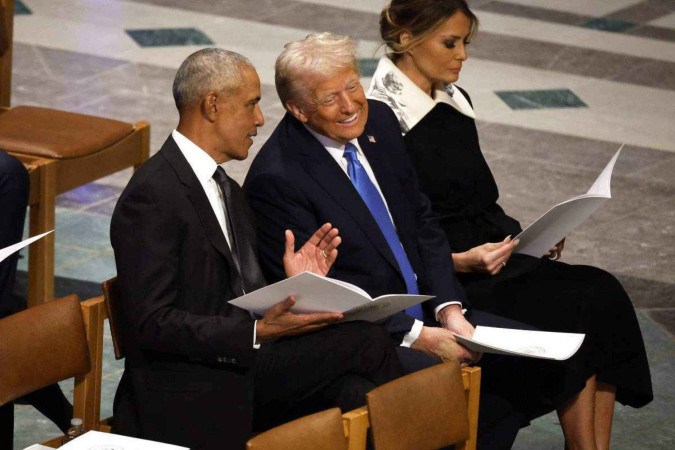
297,111
209,106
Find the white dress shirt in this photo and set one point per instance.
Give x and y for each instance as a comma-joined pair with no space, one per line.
204,167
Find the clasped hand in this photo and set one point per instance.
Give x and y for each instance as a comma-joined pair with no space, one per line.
316,256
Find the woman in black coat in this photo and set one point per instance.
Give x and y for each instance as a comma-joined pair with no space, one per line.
427,42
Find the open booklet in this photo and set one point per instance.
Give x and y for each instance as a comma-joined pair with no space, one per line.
8,251
545,232
532,344
314,293
95,440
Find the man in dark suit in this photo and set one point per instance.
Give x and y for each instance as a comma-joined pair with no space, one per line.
338,157
183,246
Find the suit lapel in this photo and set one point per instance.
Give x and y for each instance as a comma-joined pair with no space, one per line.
331,178
390,187
201,204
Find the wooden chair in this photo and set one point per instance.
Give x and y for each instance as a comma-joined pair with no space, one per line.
322,430
50,343
6,33
62,150
111,295
356,422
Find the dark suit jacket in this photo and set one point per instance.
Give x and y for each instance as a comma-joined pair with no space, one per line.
187,377
295,184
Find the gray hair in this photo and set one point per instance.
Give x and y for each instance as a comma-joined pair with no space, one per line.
316,56
207,70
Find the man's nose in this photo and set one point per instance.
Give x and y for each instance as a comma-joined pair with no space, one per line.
259,117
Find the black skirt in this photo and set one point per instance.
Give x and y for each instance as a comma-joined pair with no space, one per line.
554,296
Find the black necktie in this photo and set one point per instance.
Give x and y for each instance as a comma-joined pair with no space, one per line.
238,224
230,209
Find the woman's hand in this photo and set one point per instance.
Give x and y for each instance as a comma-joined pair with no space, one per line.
556,252
487,258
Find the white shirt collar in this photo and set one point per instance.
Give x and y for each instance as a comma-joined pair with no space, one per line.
409,102
202,164
334,147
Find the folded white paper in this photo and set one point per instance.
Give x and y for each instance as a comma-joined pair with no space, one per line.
8,251
533,344
545,232
314,293
95,440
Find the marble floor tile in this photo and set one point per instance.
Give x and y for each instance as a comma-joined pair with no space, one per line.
533,12
666,21
20,8
607,24
82,230
665,318
86,196
644,11
664,34
649,294
573,36
169,37
590,8
551,98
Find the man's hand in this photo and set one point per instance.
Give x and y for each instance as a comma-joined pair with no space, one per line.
556,252
487,258
452,319
316,256
279,321
440,343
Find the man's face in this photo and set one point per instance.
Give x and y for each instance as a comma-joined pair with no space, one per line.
338,108
239,117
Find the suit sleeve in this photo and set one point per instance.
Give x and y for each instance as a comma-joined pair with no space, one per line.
147,238
278,206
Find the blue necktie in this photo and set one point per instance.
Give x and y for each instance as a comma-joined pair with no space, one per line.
378,209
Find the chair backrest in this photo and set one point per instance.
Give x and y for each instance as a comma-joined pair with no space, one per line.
322,430
41,346
112,294
6,33
423,410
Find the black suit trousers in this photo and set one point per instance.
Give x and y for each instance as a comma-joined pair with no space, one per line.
336,366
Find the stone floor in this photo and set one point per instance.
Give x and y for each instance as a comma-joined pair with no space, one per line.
617,57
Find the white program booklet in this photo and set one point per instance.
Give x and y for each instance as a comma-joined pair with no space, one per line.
533,344
95,440
314,293
8,251
545,232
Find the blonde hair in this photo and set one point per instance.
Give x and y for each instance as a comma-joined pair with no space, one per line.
315,56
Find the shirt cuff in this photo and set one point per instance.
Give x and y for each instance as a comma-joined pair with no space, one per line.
443,305
256,345
412,335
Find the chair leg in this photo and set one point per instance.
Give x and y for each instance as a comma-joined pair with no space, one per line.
41,253
87,392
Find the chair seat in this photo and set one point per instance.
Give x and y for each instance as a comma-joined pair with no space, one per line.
55,134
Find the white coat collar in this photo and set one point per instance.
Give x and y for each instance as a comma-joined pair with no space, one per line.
409,102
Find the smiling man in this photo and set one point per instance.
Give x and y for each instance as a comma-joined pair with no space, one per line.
200,372
337,157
